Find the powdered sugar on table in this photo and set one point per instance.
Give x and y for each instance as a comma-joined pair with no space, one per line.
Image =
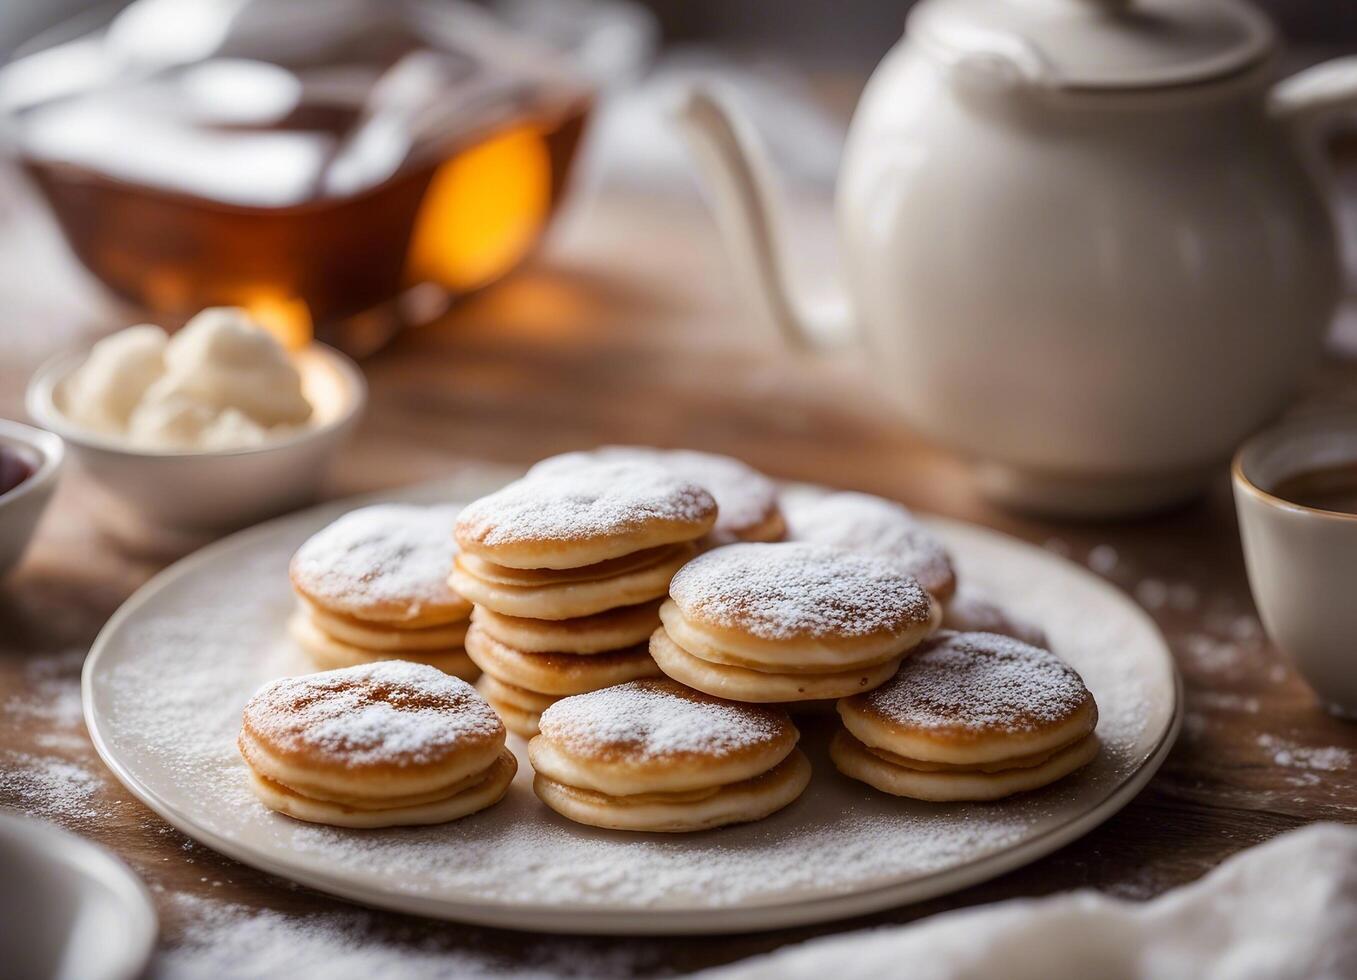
170,676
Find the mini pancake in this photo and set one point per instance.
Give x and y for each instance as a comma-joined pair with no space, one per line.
584,515
789,607
743,684
656,736
747,501
385,636
495,689
521,722
488,571
743,802
383,564
558,673
973,698
611,629
485,791
520,709
809,656
383,731
856,760
969,611
328,653
862,522
571,600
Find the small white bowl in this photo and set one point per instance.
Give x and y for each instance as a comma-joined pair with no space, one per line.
71,910
195,493
22,506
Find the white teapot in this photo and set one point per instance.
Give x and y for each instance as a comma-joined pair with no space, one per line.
1085,240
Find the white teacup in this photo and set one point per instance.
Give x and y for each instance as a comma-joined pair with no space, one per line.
1302,561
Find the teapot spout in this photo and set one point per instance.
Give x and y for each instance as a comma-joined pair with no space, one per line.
733,166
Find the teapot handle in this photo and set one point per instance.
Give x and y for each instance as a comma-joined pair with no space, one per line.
1309,98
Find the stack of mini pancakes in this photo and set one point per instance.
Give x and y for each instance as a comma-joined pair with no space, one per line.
790,622
654,755
565,569
973,716
379,745
374,586
558,594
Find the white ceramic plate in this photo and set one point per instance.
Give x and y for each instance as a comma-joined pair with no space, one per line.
69,909
165,682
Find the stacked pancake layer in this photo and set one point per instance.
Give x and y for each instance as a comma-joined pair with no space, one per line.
975,716
379,745
566,569
746,500
652,755
373,586
789,622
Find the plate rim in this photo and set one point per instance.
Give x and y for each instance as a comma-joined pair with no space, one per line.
620,920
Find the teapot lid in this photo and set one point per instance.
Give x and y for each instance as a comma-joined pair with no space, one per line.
1099,44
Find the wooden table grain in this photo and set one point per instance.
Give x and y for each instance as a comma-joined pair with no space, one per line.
627,329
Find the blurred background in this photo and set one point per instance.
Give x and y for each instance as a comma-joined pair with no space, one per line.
346,168
392,167
488,203
828,33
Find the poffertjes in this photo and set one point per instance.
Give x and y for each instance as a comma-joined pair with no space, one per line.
789,622
373,586
378,745
973,716
653,755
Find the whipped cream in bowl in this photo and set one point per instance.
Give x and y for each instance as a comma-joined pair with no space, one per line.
210,428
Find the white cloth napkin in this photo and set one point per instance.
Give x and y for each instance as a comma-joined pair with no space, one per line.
1281,910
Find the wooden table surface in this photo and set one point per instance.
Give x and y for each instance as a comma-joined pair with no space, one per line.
627,329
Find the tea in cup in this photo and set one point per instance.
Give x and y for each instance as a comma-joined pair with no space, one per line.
1295,489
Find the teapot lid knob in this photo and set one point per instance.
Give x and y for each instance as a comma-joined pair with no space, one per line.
1100,44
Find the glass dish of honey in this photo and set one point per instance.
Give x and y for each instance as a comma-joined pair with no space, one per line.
310,162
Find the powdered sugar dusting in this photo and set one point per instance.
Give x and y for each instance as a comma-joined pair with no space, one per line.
863,522
223,940
173,677
980,682
388,553
745,497
654,719
389,712
1324,758
578,503
789,590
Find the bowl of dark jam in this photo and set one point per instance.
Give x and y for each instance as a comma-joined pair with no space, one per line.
30,462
